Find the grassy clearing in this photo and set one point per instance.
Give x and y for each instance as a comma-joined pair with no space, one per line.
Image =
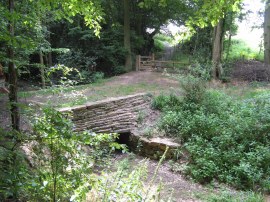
78,95
62,89
241,50
244,91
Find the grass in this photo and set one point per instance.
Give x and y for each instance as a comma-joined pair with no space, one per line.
241,50
55,90
245,91
78,95
230,196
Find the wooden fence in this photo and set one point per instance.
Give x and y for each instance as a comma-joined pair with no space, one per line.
149,63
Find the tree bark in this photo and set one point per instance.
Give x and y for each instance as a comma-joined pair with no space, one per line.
127,44
267,33
49,59
13,86
217,49
42,69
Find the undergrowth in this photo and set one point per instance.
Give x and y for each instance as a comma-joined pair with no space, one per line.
59,164
227,139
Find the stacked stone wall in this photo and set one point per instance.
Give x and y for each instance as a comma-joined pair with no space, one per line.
117,115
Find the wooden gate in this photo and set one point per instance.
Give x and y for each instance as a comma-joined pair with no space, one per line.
149,63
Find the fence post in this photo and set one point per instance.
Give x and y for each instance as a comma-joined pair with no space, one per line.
153,60
153,56
138,62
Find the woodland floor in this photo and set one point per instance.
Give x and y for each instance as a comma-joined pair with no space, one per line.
127,84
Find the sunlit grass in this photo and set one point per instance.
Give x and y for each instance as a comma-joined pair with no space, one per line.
241,50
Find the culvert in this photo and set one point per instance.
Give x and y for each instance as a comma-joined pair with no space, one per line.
152,148
120,115
124,138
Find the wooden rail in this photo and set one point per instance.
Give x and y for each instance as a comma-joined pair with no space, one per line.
149,62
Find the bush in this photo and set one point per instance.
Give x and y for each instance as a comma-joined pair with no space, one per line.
119,70
162,101
65,159
77,59
14,170
62,161
66,76
194,89
226,139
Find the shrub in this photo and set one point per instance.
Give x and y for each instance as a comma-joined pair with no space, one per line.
226,139
194,89
64,159
66,76
77,59
162,101
119,70
14,170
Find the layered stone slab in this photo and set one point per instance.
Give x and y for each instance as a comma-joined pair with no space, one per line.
113,115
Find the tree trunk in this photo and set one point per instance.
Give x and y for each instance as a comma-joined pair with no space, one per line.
127,44
42,69
49,59
229,45
267,33
217,49
13,87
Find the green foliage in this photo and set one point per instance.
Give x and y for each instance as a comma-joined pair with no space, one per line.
163,38
14,172
160,40
162,101
68,76
128,183
181,57
209,13
65,159
106,53
226,139
121,186
77,59
63,162
119,70
199,45
194,89
241,51
158,46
